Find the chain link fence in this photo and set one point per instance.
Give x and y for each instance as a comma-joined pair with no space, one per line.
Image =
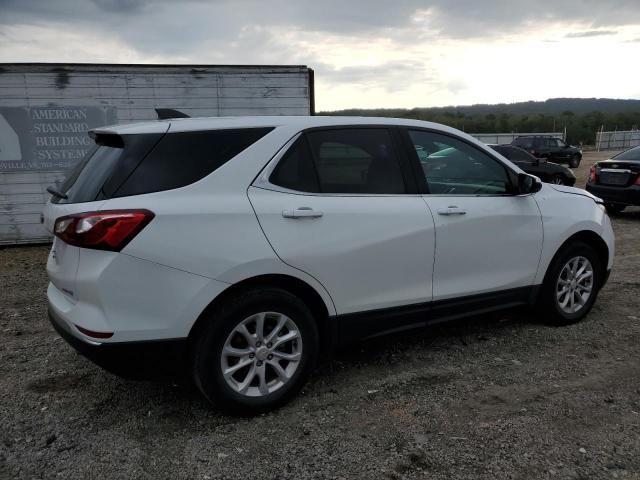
502,138
618,140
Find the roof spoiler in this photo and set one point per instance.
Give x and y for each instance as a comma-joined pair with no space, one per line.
168,113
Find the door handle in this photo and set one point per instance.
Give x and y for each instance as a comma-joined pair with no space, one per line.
302,212
451,210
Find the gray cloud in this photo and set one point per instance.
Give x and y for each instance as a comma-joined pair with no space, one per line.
153,25
274,31
591,33
392,76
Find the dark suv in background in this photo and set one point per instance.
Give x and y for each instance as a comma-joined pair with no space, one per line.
546,171
551,148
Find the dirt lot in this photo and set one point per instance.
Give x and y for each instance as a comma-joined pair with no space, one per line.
489,398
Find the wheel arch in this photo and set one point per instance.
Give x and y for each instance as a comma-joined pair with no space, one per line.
291,284
590,238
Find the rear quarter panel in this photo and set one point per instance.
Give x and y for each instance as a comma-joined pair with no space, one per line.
209,228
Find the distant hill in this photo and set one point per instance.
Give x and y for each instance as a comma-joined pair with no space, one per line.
581,116
550,106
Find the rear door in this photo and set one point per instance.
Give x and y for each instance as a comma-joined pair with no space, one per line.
340,206
487,239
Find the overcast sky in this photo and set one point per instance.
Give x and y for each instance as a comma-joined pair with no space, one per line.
366,53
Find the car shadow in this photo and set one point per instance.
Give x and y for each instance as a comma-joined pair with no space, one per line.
461,332
177,404
629,213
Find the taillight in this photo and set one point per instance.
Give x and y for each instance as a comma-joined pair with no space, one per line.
637,182
592,174
108,230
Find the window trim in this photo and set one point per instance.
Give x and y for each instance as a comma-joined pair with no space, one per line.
422,181
397,144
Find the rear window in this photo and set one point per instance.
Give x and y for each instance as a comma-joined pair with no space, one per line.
631,154
524,142
126,165
515,154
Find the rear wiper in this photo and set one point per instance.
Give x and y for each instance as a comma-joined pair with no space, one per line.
56,193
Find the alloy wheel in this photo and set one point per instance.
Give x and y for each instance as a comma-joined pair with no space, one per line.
575,285
261,354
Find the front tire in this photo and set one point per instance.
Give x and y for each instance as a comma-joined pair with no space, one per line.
556,179
571,285
575,161
255,351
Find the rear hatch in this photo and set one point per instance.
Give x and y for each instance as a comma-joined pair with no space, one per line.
94,179
128,164
613,173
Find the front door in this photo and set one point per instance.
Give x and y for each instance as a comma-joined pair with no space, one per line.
337,207
487,239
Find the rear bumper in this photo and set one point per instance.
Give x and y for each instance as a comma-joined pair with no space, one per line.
622,195
132,360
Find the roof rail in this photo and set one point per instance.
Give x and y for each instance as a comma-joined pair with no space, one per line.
168,113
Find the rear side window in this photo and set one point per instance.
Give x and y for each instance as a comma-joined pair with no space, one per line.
183,158
135,164
296,170
356,160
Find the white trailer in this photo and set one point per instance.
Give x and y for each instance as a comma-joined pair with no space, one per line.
47,108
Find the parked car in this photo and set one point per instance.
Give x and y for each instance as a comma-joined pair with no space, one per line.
551,148
617,180
547,171
241,248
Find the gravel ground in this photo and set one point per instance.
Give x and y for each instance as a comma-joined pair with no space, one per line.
502,397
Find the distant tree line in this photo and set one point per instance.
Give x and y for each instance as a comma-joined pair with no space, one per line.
581,117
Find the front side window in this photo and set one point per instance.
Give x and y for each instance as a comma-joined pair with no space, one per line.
458,168
354,160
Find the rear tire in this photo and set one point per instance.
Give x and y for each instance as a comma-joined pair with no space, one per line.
614,208
246,371
571,284
575,161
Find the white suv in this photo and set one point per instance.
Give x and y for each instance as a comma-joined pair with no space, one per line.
238,249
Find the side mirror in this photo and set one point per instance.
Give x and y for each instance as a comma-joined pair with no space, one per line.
536,162
528,184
